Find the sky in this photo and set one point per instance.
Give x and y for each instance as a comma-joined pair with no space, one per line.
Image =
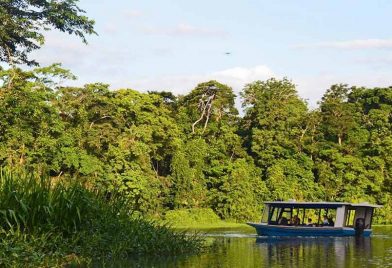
173,45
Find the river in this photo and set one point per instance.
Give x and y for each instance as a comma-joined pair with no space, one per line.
242,248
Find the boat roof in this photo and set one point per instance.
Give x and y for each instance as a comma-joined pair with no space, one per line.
322,204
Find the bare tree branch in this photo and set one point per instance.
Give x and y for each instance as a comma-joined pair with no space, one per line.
103,117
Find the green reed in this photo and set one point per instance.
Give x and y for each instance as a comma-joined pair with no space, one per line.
29,203
44,221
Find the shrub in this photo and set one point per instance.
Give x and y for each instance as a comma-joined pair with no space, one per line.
192,216
49,223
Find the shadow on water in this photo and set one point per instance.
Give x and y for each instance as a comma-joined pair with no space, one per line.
316,252
231,249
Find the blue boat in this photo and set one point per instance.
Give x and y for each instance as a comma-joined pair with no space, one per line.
291,218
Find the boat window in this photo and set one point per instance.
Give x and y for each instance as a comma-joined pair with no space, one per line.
316,217
301,214
331,215
274,215
311,217
350,216
285,216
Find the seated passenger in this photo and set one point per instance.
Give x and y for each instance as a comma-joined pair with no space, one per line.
283,221
295,221
310,223
325,221
331,222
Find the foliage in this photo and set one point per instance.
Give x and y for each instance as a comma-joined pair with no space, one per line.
273,120
237,193
163,152
48,222
188,185
191,217
22,23
143,145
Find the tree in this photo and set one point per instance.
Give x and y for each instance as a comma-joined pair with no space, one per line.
130,133
23,21
142,145
272,125
292,178
188,187
376,151
238,191
338,115
30,128
207,107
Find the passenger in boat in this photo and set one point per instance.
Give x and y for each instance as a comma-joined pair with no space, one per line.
283,221
295,221
325,221
310,223
331,222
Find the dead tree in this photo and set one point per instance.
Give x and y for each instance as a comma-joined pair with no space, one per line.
205,106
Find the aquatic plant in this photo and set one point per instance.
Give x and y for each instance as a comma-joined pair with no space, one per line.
50,222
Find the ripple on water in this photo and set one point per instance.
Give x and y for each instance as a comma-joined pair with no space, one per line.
238,248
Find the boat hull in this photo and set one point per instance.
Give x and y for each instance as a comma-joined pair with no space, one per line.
281,230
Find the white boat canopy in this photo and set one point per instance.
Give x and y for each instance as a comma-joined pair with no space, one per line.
295,204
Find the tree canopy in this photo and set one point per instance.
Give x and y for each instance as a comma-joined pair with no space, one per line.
165,152
169,152
22,23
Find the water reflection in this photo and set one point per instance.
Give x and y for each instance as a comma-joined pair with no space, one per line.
315,252
244,250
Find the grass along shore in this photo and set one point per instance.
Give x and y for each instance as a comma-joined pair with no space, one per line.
47,224
199,219
205,226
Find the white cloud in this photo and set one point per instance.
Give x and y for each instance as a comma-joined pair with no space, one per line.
56,49
376,61
185,30
74,54
78,57
351,44
130,14
312,88
236,78
241,75
181,84
110,28
162,52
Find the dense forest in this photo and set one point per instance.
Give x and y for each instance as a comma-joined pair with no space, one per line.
167,152
94,174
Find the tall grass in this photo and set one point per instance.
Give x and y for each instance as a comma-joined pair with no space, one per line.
29,203
192,217
46,222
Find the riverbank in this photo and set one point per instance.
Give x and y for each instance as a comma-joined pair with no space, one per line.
219,225
53,224
199,219
223,225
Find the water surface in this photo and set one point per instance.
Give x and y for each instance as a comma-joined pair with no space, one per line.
242,248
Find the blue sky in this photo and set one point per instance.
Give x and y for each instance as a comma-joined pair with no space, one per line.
174,44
